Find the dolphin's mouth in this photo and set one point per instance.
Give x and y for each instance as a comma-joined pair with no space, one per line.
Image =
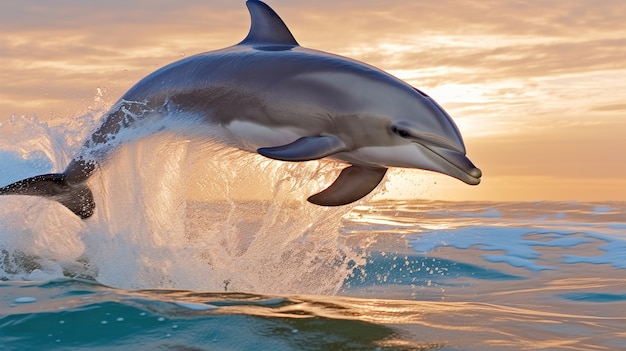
464,169
448,156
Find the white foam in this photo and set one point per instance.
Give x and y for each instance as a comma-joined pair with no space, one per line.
25,299
602,209
521,245
196,306
517,262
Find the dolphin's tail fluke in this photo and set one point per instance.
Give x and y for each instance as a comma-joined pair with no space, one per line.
75,196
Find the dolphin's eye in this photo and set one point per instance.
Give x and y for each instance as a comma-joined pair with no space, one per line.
401,132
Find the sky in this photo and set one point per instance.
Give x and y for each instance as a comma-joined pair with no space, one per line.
537,88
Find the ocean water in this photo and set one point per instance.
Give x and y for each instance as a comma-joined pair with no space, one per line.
159,267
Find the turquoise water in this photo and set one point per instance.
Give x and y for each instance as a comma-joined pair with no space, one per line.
158,269
501,276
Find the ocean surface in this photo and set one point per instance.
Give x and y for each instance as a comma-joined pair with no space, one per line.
159,267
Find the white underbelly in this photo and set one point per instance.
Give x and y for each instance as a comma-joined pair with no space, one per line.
389,156
253,136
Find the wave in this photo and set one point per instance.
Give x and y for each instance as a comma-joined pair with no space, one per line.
73,314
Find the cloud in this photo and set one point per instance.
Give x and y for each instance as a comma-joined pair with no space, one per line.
577,150
609,108
80,45
510,50
489,62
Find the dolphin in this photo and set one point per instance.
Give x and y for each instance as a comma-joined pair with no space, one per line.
272,96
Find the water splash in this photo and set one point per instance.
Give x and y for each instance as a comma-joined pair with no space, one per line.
177,210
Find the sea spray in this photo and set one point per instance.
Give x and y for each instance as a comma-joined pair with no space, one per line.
38,239
150,234
178,210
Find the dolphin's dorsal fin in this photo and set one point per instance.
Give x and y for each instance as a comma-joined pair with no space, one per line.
266,28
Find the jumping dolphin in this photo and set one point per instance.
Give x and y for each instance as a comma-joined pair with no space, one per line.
286,102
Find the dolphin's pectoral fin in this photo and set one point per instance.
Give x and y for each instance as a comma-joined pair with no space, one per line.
76,197
352,184
305,149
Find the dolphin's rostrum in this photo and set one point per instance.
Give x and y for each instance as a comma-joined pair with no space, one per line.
286,102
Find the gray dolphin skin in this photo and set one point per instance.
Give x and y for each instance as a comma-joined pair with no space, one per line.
272,96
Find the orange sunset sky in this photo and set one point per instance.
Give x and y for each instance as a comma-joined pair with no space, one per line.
538,88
